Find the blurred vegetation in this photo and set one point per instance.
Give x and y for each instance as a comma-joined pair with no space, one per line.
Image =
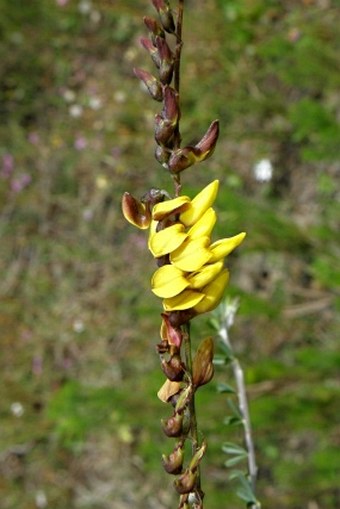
79,373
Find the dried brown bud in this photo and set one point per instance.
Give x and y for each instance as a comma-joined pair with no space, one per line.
202,367
173,427
165,15
153,85
186,481
173,368
174,462
135,211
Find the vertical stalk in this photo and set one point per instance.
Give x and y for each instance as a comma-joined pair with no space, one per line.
177,71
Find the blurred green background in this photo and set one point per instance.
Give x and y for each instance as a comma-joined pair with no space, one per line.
78,324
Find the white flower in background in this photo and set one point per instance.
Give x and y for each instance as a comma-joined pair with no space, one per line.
40,499
69,95
75,110
85,6
263,170
17,409
78,326
95,103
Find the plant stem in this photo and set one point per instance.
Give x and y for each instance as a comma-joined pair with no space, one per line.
244,409
177,72
192,407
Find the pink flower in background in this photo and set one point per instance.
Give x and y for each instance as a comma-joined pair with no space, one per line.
33,137
61,3
20,182
80,143
7,165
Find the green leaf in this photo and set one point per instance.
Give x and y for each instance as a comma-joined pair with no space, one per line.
232,420
225,388
231,448
235,460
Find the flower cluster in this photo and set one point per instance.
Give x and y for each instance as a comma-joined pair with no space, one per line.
162,88
191,274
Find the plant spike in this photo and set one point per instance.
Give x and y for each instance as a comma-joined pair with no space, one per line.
190,278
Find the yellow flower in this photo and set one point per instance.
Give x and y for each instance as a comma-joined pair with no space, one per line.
193,277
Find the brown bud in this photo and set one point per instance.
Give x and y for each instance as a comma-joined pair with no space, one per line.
135,211
174,462
171,108
181,159
152,50
202,367
166,60
162,155
154,27
178,318
173,368
207,144
153,85
186,481
165,15
164,130
173,427
170,333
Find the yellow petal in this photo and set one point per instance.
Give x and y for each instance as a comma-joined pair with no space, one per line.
204,226
165,208
168,281
200,204
185,300
223,247
191,254
205,275
167,240
213,293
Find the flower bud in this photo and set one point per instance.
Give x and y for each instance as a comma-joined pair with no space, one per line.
207,144
173,427
202,367
173,368
162,155
181,159
197,457
166,60
174,462
152,50
186,481
153,85
171,109
170,333
165,15
184,398
164,130
154,27
135,211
